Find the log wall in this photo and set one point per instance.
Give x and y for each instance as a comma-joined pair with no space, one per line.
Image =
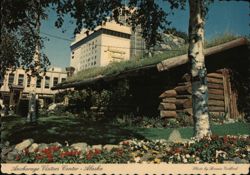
221,99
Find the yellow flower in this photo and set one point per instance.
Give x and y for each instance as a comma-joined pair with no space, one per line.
133,154
155,152
157,160
145,147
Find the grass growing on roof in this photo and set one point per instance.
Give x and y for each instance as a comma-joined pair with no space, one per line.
118,67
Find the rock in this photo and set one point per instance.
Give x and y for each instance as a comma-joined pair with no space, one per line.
228,162
97,147
24,144
12,155
110,147
126,142
229,120
42,146
55,144
55,106
33,147
7,143
52,107
5,151
175,136
238,160
248,148
80,146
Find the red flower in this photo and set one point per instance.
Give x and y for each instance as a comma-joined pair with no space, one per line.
62,155
225,139
46,151
17,157
97,151
26,151
119,152
89,155
54,148
78,153
50,157
125,143
177,150
39,157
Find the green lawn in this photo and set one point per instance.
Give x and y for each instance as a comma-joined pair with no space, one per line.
238,128
71,129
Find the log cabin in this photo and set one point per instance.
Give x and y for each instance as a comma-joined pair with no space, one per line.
164,88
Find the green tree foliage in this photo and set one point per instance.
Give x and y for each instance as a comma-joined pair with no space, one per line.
19,35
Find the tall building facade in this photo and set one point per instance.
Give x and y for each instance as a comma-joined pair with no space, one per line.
108,43
137,43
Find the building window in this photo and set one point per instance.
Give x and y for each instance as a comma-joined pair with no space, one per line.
11,79
47,82
55,81
20,79
38,82
28,80
63,80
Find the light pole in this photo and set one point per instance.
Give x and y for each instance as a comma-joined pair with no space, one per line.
32,116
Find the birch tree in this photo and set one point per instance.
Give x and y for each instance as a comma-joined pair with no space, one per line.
198,69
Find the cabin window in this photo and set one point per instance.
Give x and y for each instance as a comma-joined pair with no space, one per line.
20,79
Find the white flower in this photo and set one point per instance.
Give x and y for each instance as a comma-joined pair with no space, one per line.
187,155
184,160
178,157
137,159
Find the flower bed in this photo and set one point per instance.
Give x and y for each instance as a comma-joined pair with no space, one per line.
207,150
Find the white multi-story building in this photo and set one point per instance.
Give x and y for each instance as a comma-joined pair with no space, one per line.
108,43
16,84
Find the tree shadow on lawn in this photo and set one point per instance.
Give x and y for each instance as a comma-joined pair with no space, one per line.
72,131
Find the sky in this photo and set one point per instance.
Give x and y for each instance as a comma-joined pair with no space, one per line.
223,17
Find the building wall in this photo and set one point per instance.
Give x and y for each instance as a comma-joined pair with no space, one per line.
137,45
87,55
110,42
53,73
114,49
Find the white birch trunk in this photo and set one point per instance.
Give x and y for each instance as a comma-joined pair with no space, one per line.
198,69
